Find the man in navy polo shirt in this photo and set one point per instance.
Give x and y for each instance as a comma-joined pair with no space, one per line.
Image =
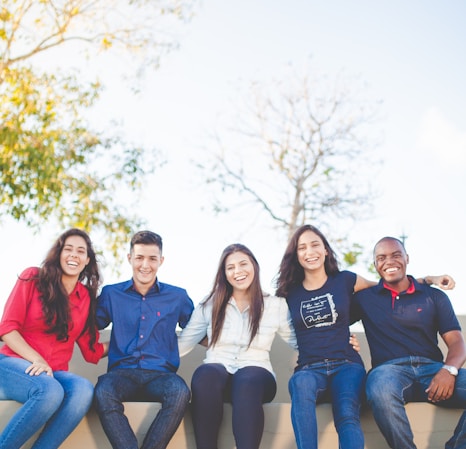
402,319
143,354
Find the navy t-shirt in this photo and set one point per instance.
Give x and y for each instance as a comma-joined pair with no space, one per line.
406,324
321,320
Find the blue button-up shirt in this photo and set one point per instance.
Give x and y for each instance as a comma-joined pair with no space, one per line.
143,327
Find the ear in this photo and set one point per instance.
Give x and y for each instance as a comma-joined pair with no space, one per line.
161,260
129,257
407,259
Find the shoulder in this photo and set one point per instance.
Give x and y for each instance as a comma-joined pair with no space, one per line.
29,273
172,289
120,286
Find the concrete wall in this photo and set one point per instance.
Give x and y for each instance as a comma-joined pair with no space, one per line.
432,425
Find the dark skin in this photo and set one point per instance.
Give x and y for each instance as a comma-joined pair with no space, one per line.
390,261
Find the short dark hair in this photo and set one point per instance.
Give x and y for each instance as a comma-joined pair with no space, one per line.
146,238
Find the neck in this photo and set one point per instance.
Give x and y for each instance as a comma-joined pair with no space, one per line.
69,283
399,286
314,279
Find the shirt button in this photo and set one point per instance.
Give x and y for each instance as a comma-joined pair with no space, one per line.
143,317
141,336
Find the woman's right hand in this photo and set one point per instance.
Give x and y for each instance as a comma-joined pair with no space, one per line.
39,367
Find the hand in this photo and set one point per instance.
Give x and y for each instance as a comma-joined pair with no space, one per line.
441,387
38,367
444,281
354,343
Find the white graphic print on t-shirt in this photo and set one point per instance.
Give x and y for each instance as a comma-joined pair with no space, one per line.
319,311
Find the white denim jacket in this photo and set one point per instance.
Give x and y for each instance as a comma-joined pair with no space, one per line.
231,349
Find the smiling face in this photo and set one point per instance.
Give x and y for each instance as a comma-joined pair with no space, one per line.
239,271
390,261
145,261
311,251
73,256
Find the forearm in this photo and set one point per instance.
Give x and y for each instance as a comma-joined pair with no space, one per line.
15,341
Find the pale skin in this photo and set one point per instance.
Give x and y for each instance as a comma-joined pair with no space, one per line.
73,259
311,253
145,260
390,261
239,272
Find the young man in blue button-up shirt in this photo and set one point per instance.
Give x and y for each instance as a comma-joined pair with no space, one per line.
143,353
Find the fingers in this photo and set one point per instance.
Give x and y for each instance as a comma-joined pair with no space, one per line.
36,368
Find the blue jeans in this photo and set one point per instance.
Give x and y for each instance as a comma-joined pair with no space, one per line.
247,389
57,404
120,385
391,385
339,381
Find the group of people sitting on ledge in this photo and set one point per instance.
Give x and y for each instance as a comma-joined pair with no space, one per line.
60,303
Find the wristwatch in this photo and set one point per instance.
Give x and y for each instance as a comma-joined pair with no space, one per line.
451,369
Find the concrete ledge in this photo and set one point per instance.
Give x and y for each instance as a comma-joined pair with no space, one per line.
432,425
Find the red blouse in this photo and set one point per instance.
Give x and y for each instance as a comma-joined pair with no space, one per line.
23,313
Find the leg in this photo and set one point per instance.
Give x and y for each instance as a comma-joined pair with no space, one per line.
347,389
40,395
386,388
208,387
251,387
111,391
305,387
76,402
458,400
172,392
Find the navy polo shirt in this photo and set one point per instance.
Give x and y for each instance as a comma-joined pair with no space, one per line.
143,327
404,324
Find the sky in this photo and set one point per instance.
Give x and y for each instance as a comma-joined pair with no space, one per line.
410,54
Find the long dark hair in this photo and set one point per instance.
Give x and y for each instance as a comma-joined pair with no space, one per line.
55,299
291,273
222,290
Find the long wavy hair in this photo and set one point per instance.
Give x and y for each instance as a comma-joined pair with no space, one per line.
291,273
222,291
54,297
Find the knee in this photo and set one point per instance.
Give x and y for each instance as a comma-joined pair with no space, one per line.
379,392
103,394
178,389
300,382
49,391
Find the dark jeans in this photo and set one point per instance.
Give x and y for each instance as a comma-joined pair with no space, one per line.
247,389
122,385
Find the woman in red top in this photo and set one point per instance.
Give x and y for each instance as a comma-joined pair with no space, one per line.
49,309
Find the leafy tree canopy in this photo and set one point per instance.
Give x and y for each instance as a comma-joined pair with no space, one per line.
53,164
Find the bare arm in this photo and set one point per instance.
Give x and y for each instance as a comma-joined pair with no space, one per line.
444,281
16,343
362,283
443,383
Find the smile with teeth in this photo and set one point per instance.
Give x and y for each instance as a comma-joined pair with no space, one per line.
240,278
391,270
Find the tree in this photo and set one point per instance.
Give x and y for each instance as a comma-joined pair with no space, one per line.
53,164
297,153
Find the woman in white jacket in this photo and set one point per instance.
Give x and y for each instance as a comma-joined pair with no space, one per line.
240,322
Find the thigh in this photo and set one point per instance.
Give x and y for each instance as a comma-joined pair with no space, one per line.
308,383
73,384
17,385
390,380
162,386
210,377
120,384
254,381
348,381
